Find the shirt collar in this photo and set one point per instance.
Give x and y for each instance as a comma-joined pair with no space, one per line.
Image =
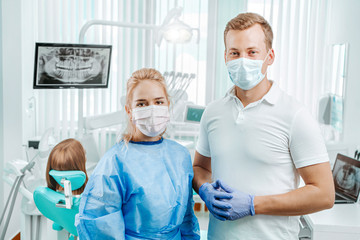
148,142
271,96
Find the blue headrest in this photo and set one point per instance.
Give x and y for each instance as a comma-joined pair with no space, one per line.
77,178
46,199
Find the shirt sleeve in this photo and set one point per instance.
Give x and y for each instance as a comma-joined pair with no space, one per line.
100,215
203,146
307,146
190,226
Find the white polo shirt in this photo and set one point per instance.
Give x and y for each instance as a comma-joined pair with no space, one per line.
257,150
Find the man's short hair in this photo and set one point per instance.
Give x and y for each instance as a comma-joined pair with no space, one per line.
244,21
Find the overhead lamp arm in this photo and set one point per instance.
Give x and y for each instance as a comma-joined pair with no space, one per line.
90,23
173,13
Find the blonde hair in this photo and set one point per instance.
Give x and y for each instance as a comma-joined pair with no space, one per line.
65,156
136,78
244,21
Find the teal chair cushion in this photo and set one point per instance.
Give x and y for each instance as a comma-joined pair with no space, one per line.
77,178
46,199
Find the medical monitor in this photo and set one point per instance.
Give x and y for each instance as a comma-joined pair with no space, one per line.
193,113
346,174
59,65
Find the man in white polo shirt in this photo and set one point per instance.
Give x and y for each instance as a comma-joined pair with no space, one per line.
254,145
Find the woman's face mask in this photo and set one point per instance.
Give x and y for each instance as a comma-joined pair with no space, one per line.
246,73
151,120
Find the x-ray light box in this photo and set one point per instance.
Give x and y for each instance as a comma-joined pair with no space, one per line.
59,65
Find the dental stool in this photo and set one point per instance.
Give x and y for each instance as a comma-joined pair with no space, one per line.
59,207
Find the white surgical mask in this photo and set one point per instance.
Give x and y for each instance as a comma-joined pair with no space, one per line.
246,73
151,120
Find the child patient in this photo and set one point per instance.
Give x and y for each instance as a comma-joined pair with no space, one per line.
65,156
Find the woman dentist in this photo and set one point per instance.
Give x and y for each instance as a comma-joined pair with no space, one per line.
142,187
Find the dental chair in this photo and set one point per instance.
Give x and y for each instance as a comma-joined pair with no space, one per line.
61,207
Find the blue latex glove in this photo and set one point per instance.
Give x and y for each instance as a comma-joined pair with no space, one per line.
212,195
242,203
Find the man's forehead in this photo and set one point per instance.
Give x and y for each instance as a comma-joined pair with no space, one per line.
250,37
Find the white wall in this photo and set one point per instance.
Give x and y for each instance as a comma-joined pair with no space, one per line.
12,97
28,26
345,19
1,117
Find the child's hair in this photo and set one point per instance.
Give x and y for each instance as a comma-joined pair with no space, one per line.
136,78
65,156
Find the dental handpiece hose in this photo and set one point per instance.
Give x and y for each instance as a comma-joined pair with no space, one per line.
12,196
28,167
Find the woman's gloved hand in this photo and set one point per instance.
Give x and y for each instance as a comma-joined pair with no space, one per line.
212,195
242,204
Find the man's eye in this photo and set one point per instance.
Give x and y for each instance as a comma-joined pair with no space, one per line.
234,53
159,102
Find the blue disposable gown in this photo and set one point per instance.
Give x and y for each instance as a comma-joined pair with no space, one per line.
142,190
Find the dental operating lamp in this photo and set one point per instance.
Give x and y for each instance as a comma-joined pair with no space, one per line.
172,30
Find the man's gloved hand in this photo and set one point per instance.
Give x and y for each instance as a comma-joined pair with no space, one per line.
212,195
242,203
